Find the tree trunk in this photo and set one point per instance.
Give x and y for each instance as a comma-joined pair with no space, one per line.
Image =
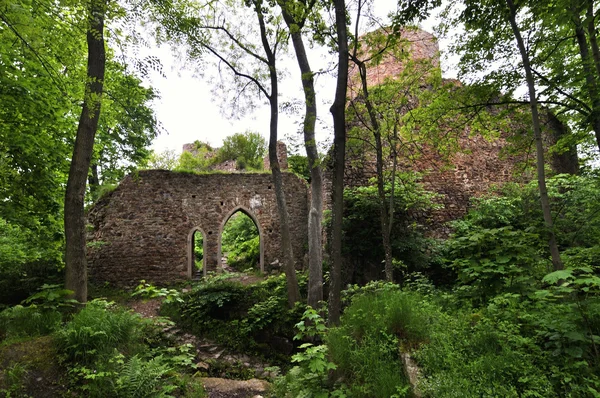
75,248
591,73
286,242
556,260
338,111
593,36
315,250
383,210
94,179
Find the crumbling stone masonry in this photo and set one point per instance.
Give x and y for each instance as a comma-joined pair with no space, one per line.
144,229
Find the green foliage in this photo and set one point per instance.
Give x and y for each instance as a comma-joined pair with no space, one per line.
247,149
134,377
482,354
98,329
165,160
39,315
500,245
13,380
25,262
491,261
200,159
309,377
298,165
25,321
149,291
365,347
43,56
362,227
198,250
246,318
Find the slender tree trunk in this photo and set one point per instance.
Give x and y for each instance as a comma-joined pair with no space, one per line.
383,208
75,250
286,242
315,250
591,72
556,260
338,111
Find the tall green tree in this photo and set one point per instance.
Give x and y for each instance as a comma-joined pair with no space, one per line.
382,44
42,74
338,112
296,14
560,37
508,21
75,241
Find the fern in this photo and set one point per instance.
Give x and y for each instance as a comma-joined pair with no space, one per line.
141,378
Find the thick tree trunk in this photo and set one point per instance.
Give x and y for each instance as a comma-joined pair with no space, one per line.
590,69
556,260
338,111
315,249
75,250
591,17
286,242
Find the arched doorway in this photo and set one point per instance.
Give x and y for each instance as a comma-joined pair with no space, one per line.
196,253
241,242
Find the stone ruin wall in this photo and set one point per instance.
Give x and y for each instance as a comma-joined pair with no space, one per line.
417,45
281,157
143,229
479,165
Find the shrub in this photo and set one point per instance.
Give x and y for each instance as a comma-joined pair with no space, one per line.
21,321
366,345
97,330
247,318
40,314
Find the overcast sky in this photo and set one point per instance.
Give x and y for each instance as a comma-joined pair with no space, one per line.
188,111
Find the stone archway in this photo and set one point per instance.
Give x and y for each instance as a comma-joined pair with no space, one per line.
142,230
260,235
191,267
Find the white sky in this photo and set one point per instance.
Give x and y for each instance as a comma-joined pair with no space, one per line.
188,111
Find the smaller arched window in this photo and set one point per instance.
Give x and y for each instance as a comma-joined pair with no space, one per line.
196,253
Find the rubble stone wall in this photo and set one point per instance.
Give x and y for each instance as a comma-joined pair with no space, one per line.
144,229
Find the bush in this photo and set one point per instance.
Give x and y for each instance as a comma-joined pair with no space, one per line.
30,321
246,318
366,345
40,314
98,329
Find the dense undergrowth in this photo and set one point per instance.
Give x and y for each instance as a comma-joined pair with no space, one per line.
102,350
505,324
247,318
500,323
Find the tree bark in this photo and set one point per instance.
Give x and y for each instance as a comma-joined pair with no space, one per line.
591,72
593,35
315,215
338,111
286,242
94,179
556,260
75,248
383,207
